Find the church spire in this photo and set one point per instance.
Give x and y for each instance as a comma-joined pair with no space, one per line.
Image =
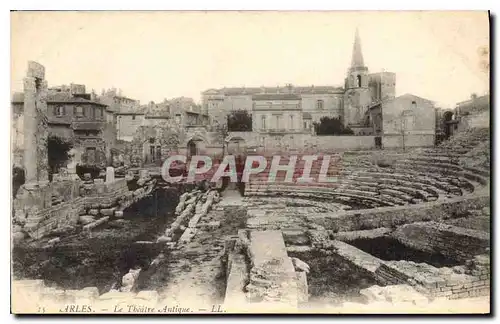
357,54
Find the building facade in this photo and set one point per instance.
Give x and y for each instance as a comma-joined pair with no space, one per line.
349,103
74,116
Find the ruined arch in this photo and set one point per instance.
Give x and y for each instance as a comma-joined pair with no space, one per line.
236,145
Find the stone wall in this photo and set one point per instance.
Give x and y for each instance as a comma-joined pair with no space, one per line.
477,120
454,242
470,280
399,215
40,210
303,141
410,140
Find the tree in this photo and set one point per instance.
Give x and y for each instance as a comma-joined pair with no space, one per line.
222,131
58,149
239,121
331,126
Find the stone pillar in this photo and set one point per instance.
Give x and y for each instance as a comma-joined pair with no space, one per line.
110,174
35,124
42,133
75,158
30,127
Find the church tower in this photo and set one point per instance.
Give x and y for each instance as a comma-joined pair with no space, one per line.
357,95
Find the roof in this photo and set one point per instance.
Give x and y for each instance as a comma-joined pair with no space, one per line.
58,97
276,96
477,104
140,110
357,54
375,104
87,125
273,90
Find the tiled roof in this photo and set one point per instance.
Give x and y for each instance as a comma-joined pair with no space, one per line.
141,110
57,97
87,125
276,96
270,90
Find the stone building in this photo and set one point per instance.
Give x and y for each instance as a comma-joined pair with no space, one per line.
181,111
73,115
473,113
407,120
124,113
276,113
349,103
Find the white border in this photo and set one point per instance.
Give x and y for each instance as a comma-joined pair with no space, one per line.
184,5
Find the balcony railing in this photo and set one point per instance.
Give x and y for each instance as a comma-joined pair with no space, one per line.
283,130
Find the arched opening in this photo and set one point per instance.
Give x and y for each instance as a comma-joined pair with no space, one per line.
358,81
236,145
192,149
448,116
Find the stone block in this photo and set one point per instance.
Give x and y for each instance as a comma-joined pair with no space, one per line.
18,237
110,174
94,212
108,211
302,287
36,70
54,240
86,219
143,174
98,222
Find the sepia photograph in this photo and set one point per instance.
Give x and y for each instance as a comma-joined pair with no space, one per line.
250,162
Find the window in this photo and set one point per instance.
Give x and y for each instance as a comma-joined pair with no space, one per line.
358,81
278,122
59,111
151,140
320,104
413,105
158,153
101,112
263,122
152,153
78,111
133,117
305,125
291,122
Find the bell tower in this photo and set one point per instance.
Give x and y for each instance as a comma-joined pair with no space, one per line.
357,95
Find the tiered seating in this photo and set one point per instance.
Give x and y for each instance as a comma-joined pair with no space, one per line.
412,178
466,140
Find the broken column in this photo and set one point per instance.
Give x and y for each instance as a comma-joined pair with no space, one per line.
35,124
110,174
75,157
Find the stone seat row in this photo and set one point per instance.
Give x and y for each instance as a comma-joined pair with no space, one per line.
287,192
448,183
394,196
441,185
469,176
369,183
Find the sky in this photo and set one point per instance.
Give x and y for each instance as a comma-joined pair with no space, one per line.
155,55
